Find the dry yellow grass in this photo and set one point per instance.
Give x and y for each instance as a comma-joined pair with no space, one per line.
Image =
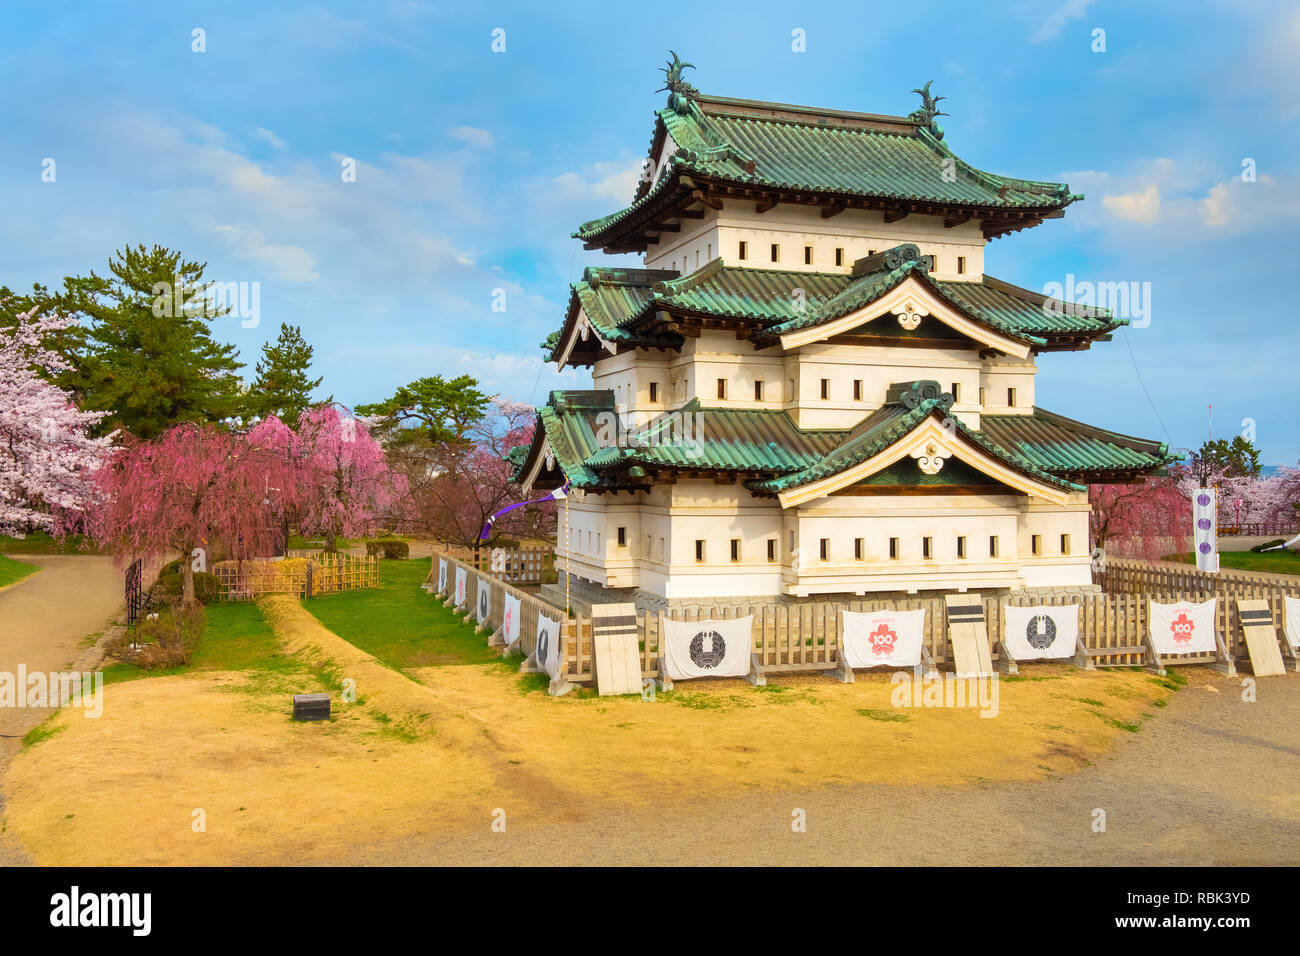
122,789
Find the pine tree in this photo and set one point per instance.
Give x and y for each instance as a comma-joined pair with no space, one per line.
282,387
146,355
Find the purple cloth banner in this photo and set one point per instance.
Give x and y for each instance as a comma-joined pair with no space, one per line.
555,495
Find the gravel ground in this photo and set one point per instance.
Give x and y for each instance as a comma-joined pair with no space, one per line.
1210,780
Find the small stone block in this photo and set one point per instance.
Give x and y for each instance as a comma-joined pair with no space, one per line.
311,706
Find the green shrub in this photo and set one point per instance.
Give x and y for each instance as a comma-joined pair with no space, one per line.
168,587
388,548
1268,544
164,638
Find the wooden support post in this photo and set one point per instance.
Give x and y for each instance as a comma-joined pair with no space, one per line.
1154,663
664,681
1224,664
1006,663
755,675
1081,657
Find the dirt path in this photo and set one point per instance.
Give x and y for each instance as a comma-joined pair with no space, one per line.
43,621
1211,780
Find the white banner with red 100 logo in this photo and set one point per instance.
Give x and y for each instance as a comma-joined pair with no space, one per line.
1182,628
882,638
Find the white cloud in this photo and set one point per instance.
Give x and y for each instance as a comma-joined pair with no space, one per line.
609,181
291,263
1141,206
261,132
1056,20
472,136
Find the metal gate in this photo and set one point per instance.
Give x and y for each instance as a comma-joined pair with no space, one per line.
134,591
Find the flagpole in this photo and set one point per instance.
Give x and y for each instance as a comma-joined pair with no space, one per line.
568,560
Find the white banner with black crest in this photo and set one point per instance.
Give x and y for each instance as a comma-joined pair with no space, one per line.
1045,632
882,638
442,575
1183,628
548,646
484,600
708,648
1291,613
510,620
460,587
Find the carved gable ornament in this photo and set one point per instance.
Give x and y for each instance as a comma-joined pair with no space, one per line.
910,314
930,457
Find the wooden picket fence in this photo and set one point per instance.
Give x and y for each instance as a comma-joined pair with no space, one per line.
1134,576
530,606
522,565
305,576
1113,627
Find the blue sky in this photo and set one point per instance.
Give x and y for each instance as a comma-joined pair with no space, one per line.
473,167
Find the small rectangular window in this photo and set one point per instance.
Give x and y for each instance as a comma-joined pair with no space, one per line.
792,541
934,263
1065,544
961,546
893,549
744,250
776,252
722,388
961,265
709,254
758,391
956,391
857,548
981,396
1035,544
927,547
654,391
871,252
826,388
1011,397
807,255
993,546
839,257
826,549
857,389
771,549
699,550
622,537
735,550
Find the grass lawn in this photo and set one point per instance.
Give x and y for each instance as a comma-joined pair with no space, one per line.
11,570
401,625
237,638
1274,562
38,542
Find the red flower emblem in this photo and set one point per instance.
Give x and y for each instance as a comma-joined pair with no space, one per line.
882,641
1182,628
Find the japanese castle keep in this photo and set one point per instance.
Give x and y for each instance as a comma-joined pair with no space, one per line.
813,388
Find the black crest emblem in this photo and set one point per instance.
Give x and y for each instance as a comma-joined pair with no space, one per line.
711,657
1040,632
543,640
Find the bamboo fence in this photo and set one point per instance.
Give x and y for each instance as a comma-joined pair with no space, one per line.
305,576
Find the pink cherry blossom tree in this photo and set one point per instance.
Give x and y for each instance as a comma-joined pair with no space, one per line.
189,488
47,460
343,486
1148,518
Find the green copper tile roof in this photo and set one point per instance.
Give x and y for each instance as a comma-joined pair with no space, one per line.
610,297
736,142
781,301
1048,447
1065,446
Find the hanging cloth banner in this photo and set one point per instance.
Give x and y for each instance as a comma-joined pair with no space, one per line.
1045,632
1183,628
708,648
484,600
555,495
548,646
510,622
1206,534
882,638
1291,611
460,587
442,575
